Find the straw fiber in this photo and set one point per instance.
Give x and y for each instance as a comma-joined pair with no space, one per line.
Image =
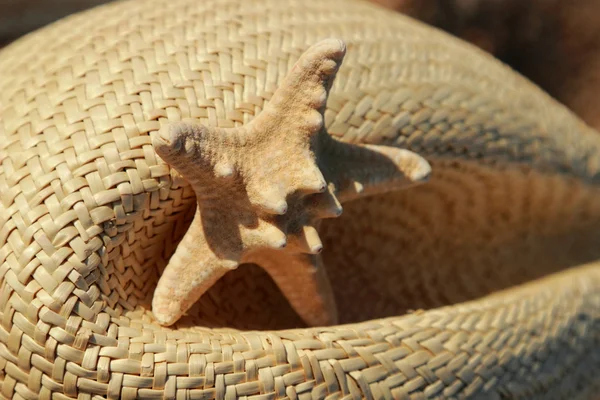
497,251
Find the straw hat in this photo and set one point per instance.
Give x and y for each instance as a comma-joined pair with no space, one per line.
91,214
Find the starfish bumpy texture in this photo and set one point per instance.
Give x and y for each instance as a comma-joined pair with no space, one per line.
263,188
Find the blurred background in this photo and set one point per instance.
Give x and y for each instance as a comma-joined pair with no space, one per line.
17,17
555,43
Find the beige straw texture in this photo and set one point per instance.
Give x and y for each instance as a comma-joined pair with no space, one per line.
89,215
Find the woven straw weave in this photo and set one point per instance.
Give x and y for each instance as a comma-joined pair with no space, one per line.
90,215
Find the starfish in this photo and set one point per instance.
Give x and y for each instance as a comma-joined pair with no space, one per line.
262,190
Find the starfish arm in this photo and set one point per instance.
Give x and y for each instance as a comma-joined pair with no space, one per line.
287,126
191,271
366,170
304,282
194,149
301,98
